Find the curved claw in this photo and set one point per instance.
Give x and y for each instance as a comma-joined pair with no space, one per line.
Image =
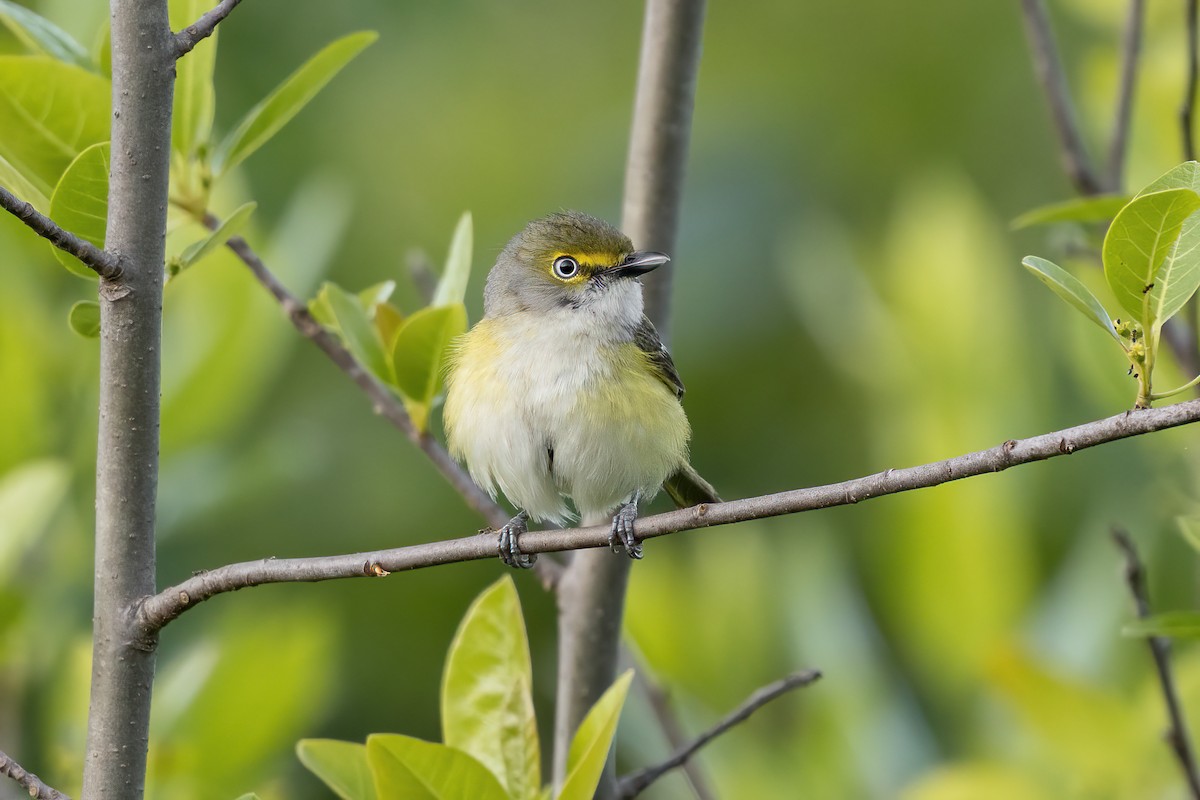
621,535
508,546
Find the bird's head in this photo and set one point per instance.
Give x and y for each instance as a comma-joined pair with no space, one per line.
566,260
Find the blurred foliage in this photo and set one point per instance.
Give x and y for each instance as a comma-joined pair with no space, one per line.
846,283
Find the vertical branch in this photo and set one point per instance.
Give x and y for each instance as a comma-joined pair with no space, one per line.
591,595
127,448
1131,51
1177,735
1053,78
1187,110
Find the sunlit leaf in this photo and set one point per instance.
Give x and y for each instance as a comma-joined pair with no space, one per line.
84,319
589,748
192,117
231,226
487,695
1139,244
410,768
356,329
30,496
452,287
277,109
41,36
80,203
1096,208
1184,176
372,296
49,112
1175,624
19,185
342,765
388,321
420,352
1071,289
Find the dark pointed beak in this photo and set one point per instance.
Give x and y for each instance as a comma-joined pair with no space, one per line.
638,264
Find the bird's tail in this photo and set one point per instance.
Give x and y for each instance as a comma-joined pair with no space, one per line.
688,489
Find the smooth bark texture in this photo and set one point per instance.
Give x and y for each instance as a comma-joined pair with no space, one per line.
591,592
127,450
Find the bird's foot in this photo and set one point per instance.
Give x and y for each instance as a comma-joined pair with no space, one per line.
621,535
510,549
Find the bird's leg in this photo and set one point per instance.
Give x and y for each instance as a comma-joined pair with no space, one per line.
510,550
621,535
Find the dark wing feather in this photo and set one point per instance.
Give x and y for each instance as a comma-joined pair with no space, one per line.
646,338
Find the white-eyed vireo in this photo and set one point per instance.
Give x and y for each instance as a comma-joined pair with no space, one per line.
564,390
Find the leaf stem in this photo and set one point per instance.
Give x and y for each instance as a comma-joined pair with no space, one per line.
1162,395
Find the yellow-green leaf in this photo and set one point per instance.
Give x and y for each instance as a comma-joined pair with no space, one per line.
405,768
355,328
80,203
195,99
1071,289
41,36
84,319
231,226
419,354
487,695
589,748
19,185
372,296
1097,208
277,109
341,765
388,321
452,287
1175,624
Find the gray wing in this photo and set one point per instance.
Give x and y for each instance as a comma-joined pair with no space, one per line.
646,338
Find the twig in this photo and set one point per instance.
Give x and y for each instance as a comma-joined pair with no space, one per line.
103,263
28,781
1051,75
668,721
156,611
1187,110
1177,734
1131,47
635,783
202,28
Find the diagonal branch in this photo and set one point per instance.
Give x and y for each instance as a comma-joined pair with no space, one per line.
1177,734
31,783
1131,51
202,28
1053,78
156,611
1187,110
635,783
103,263
660,705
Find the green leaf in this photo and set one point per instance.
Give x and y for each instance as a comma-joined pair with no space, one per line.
230,227
195,99
487,694
452,287
388,321
1071,289
30,496
1184,176
80,203
84,319
342,765
49,112
276,109
589,748
372,296
419,354
1175,624
102,49
1137,247
19,185
355,328
1189,527
413,769
41,36
1097,208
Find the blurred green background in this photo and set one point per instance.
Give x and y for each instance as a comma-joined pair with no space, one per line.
848,298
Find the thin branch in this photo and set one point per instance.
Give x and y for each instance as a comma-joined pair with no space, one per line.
31,783
635,783
1187,110
202,28
668,721
103,263
1131,51
156,611
1177,734
1053,78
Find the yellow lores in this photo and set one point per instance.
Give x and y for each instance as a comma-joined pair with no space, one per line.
564,390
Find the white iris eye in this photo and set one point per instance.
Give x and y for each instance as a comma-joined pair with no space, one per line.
566,267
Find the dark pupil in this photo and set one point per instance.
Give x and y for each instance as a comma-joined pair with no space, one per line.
566,267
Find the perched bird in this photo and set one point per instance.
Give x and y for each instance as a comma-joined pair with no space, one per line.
564,389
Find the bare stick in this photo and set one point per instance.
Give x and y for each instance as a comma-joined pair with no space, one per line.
104,264
31,783
1053,78
668,721
156,611
202,28
635,783
1177,734
1131,51
1187,110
